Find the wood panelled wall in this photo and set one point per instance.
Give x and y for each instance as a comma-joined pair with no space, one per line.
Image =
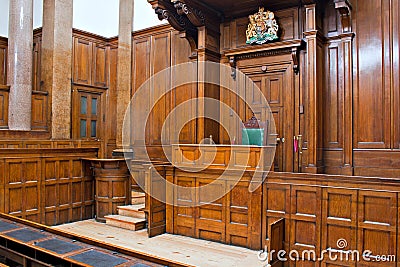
49,186
361,95
94,70
153,51
94,67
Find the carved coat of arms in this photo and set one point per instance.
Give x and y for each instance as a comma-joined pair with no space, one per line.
262,27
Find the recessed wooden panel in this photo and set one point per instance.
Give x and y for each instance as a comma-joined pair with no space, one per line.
36,68
180,55
276,200
378,208
100,66
82,61
304,233
333,100
306,202
4,108
339,205
160,60
141,67
3,64
372,92
274,90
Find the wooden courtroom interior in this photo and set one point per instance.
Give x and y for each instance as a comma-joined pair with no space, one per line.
332,81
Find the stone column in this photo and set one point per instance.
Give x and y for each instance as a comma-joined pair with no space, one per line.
56,69
124,63
20,46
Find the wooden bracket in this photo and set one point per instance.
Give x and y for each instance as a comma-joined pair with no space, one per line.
232,63
165,10
195,16
295,58
344,9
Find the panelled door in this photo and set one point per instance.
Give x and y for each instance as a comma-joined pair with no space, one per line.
275,82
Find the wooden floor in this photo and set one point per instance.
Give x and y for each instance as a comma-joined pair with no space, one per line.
179,248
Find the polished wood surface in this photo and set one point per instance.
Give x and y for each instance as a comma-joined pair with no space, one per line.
239,157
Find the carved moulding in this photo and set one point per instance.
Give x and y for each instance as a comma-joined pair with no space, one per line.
285,47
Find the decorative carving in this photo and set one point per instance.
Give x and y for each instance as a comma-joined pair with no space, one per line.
195,16
264,54
165,10
344,9
262,27
176,21
253,123
295,58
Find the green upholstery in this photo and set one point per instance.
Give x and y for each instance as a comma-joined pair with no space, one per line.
252,136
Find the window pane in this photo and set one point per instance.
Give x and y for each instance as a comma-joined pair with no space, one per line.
83,128
83,105
94,106
93,130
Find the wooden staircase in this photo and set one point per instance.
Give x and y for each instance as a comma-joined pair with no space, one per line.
131,217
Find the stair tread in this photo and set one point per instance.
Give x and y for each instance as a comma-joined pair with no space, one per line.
137,207
122,218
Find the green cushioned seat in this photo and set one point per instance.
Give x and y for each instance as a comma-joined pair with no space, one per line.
252,136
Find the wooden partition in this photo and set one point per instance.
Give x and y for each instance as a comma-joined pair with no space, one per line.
49,186
320,210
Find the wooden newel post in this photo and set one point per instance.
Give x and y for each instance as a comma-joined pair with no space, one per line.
112,186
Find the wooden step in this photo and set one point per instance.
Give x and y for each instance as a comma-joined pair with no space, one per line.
126,222
135,211
138,198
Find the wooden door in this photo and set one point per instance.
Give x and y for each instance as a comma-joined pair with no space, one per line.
277,86
155,206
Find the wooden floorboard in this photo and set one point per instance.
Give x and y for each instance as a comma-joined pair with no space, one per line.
179,248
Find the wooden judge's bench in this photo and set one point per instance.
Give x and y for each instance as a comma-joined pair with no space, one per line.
225,200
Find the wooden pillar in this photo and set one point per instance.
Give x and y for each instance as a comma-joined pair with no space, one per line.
56,68
208,51
314,90
19,73
124,63
344,9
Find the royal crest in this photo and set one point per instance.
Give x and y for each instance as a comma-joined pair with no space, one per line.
262,27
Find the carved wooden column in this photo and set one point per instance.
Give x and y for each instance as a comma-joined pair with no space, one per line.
56,71
344,9
19,74
314,91
124,63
